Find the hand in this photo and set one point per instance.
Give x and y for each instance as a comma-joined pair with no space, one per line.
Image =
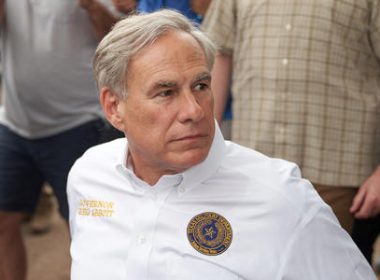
366,203
125,6
85,4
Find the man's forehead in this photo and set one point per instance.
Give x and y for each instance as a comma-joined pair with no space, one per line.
168,60
167,42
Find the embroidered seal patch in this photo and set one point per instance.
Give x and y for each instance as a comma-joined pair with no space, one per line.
209,233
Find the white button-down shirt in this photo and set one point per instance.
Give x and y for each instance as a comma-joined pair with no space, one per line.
122,228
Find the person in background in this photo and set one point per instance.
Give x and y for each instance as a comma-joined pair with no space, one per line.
366,228
306,87
50,113
173,199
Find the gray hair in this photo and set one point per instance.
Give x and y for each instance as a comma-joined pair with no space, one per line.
131,35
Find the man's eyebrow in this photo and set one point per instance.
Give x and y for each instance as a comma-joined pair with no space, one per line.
204,76
163,84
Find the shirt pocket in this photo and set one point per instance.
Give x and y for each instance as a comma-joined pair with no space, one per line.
62,11
190,267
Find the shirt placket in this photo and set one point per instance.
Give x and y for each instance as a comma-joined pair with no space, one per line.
282,82
144,239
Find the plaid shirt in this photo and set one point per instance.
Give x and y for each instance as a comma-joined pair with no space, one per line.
306,82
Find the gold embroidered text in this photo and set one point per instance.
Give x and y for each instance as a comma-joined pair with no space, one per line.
96,208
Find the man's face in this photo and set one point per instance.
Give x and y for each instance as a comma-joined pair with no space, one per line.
168,113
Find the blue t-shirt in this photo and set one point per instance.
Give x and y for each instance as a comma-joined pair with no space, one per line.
182,6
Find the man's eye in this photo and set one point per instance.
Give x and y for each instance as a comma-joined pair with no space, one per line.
201,86
166,93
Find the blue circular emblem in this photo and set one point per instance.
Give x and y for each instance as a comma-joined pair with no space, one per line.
209,233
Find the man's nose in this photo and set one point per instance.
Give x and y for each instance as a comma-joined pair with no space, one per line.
190,109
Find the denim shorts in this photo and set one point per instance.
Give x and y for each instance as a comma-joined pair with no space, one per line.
25,164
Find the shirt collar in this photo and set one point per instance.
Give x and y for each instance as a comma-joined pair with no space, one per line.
202,171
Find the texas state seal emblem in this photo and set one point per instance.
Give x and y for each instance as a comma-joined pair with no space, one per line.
209,233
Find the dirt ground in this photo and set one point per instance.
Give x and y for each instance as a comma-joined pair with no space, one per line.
48,254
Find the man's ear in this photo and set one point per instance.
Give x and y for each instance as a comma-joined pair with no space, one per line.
110,104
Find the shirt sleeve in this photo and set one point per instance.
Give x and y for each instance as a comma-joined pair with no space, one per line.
219,23
73,202
321,249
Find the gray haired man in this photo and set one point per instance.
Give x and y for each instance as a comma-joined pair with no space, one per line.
174,200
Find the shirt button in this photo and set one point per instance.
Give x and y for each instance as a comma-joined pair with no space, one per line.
182,189
285,61
141,239
288,27
280,134
281,130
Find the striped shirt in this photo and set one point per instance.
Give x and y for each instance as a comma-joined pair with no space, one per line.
306,82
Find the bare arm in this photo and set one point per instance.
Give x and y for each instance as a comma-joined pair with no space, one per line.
221,76
101,18
2,12
126,7
200,6
366,203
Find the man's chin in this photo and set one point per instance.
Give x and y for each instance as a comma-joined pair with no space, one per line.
189,158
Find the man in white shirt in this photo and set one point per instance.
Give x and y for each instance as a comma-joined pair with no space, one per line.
174,200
